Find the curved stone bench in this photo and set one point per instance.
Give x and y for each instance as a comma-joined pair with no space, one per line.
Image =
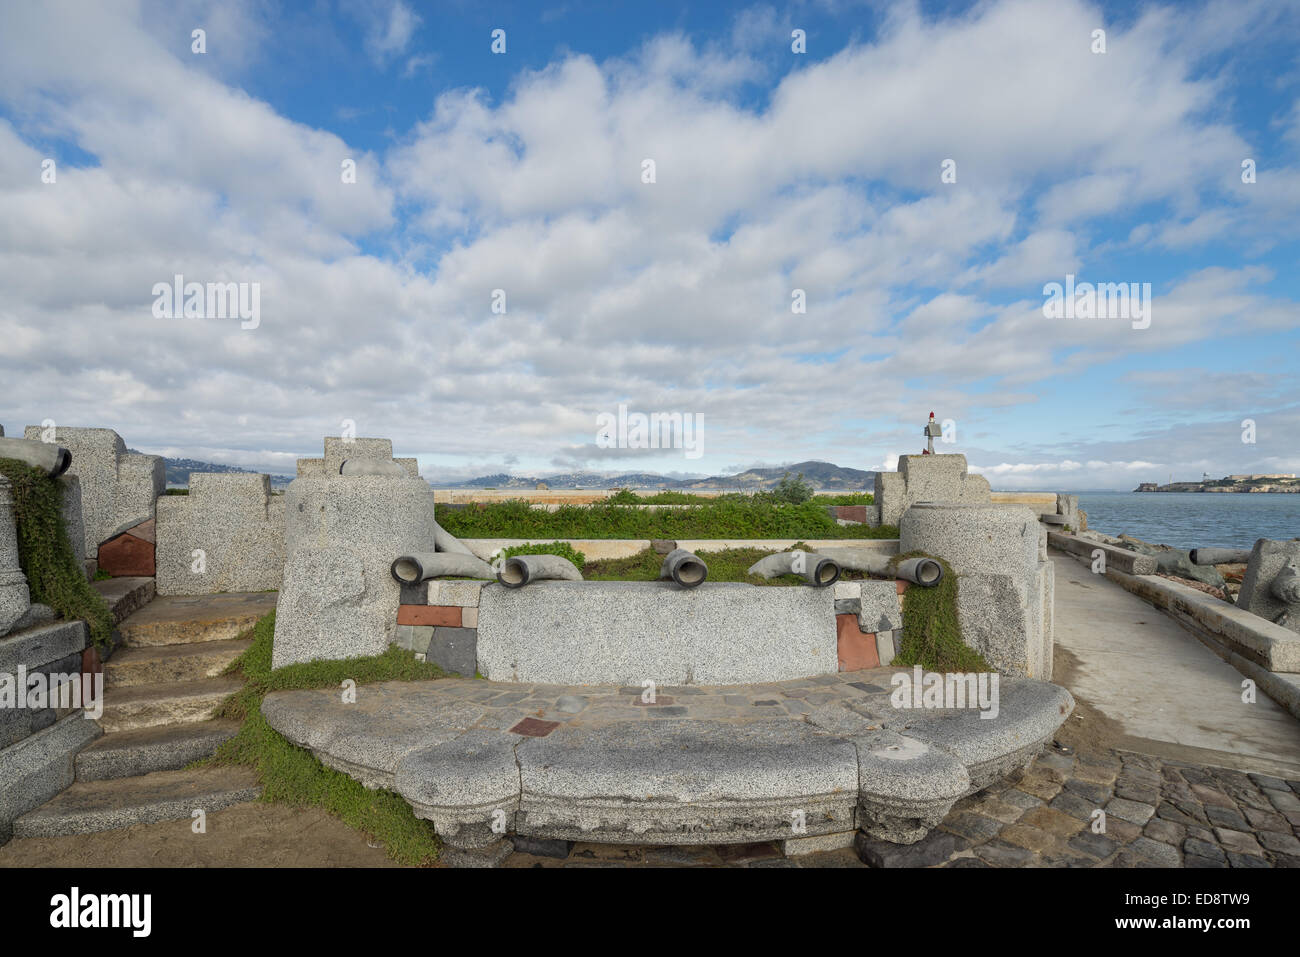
839,757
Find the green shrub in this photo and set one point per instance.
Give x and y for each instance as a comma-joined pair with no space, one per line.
563,549
292,775
793,490
738,517
54,576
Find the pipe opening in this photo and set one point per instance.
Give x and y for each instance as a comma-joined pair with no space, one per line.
407,570
690,573
826,573
513,573
928,572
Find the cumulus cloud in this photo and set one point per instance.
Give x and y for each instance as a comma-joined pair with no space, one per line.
670,296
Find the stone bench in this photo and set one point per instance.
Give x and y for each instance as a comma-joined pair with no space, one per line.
470,757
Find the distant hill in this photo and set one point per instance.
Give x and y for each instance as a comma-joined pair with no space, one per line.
822,475
179,470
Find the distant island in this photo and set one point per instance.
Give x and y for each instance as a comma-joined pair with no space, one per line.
1230,483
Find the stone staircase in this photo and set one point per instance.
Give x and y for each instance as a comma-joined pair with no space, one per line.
162,686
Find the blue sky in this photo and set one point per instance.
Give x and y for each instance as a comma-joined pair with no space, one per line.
775,171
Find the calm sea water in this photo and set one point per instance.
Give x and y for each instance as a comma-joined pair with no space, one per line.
1192,519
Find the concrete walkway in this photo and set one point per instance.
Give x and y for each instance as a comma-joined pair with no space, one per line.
1170,695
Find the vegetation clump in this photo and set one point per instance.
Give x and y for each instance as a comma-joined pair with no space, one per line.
54,576
931,630
563,549
292,775
713,518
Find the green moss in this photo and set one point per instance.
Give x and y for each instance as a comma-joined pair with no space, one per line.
54,576
931,631
292,775
563,549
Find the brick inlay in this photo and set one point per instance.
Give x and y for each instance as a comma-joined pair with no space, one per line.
856,648
534,728
901,585
440,616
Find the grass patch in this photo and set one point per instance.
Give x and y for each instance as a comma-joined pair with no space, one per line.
711,519
931,631
292,775
563,549
725,565
54,576
628,497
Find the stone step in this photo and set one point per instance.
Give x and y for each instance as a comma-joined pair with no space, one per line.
125,596
174,702
90,806
126,754
163,663
184,620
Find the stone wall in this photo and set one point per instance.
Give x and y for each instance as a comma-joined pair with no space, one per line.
1005,583
593,632
118,488
235,522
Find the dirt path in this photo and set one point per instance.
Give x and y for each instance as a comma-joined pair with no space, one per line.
245,835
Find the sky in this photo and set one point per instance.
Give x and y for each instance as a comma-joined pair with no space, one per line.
462,249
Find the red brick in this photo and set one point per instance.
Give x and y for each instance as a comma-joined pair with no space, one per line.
91,665
857,648
901,585
130,553
440,616
534,728
851,513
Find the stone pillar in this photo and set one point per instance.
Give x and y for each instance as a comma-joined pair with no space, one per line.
927,478
15,599
342,533
118,488
1005,585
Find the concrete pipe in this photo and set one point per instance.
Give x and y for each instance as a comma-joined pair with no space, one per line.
51,459
920,571
817,570
445,541
1220,556
866,560
412,569
685,568
518,571
389,469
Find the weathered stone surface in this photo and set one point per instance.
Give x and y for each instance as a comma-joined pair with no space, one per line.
686,783
454,650
117,486
92,806
339,599
15,598
628,632
41,645
167,748
1003,589
467,786
40,766
1267,559
237,524
926,478
880,608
